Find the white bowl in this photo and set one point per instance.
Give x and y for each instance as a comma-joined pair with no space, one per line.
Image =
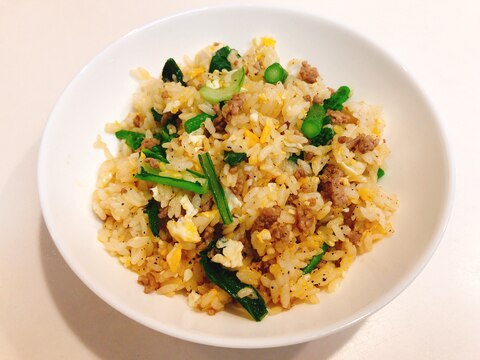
419,170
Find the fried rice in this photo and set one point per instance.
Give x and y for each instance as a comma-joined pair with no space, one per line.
289,198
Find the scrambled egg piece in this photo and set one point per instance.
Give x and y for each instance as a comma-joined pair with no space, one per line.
184,230
266,131
174,257
231,256
251,138
366,194
203,219
260,240
268,41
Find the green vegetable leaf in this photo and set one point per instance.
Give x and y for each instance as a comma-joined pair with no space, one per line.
163,136
229,282
171,72
220,60
196,174
132,139
324,138
233,158
156,115
164,180
294,157
313,122
215,96
380,173
216,188
196,122
335,102
152,211
315,260
155,155
275,73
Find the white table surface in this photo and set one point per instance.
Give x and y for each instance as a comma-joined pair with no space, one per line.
45,310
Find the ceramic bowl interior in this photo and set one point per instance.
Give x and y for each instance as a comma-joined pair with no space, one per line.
419,170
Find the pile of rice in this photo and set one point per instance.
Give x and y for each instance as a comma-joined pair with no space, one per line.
267,129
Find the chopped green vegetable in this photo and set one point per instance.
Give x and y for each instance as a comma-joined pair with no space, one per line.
335,102
158,149
313,122
229,282
314,128
233,158
196,174
216,188
171,72
275,73
155,155
133,139
164,180
163,136
315,260
214,96
294,157
152,211
326,135
196,122
380,173
156,115
220,60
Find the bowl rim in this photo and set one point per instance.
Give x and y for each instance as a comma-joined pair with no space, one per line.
276,341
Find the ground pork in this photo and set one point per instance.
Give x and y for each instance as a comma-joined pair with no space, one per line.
363,143
331,187
308,156
137,121
149,283
348,217
366,143
317,99
308,73
207,234
305,219
233,107
266,218
219,122
148,143
165,117
341,118
152,162
355,237
259,266
299,173
163,213
279,231
206,206
218,110
238,188
291,199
